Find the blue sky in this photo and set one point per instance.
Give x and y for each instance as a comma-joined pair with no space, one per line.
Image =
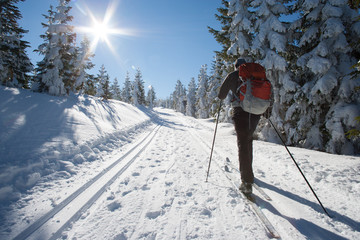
169,41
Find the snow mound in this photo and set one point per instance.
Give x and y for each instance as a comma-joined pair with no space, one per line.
42,134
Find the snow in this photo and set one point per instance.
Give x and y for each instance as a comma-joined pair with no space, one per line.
50,147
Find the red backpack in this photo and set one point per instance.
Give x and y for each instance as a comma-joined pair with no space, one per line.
255,90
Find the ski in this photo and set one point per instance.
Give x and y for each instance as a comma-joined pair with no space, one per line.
257,187
262,192
257,210
251,201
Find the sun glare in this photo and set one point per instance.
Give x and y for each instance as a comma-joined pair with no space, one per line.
102,29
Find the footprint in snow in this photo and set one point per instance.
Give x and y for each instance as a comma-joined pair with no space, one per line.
113,206
153,215
206,212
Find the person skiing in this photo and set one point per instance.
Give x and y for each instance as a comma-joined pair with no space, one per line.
245,125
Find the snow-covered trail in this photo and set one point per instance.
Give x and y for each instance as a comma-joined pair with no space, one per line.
162,194
165,196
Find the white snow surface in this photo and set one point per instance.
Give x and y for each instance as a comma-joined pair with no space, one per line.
51,147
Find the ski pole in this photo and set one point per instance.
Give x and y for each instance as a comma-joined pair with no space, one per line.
299,168
212,148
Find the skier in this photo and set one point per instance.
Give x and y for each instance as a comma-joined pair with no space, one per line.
245,125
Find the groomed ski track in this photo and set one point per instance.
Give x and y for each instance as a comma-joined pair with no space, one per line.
51,225
156,191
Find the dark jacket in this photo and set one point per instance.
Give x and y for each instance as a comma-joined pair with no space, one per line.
231,82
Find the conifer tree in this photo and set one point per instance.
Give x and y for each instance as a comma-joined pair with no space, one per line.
179,97
327,96
214,86
223,36
103,89
127,89
201,94
55,73
139,89
15,65
191,98
241,31
151,97
115,90
268,47
82,65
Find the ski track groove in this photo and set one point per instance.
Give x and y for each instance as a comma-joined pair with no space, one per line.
35,227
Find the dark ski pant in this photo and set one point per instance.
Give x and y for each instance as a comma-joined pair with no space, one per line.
245,125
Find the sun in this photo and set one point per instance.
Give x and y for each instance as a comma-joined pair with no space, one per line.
100,30
103,28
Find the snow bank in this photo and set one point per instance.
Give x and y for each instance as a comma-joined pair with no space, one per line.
42,134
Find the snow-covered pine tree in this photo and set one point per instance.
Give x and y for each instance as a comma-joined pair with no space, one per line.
268,47
139,88
327,98
355,132
115,90
127,89
241,31
103,88
90,85
83,64
15,65
223,36
215,82
134,94
202,105
179,97
235,37
191,98
55,73
151,97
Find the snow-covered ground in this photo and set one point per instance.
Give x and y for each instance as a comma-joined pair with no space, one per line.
81,168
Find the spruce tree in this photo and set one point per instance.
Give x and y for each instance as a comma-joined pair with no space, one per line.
191,98
179,97
139,88
103,88
214,86
269,47
327,97
202,93
15,65
115,90
82,65
223,36
127,89
151,97
56,73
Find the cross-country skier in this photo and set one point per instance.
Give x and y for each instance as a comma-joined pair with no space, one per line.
245,125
